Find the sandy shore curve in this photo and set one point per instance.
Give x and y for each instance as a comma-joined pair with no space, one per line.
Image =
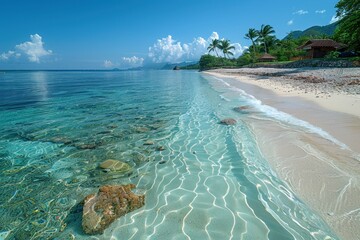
325,176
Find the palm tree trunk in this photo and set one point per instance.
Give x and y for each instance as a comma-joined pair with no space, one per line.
264,40
265,46
253,43
254,49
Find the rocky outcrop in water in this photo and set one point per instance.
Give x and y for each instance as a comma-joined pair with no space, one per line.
228,121
110,203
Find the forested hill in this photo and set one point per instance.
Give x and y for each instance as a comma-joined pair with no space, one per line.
314,31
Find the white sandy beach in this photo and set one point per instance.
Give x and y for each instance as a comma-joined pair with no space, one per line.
292,91
324,175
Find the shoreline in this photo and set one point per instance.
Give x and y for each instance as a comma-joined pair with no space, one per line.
322,86
325,105
324,175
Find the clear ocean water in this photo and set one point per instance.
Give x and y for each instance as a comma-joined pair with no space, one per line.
210,182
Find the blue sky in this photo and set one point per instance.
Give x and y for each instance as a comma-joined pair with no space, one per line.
95,34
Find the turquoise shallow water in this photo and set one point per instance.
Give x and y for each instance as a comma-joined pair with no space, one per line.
210,182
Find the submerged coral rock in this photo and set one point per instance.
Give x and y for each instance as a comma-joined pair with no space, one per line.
160,148
111,126
86,146
228,121
63,140
115,165
142,129
110,203
149,142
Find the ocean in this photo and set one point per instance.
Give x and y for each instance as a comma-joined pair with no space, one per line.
211,181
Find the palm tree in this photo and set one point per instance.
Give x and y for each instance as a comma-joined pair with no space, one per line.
226,47
213,46
252,35
264,34
271,41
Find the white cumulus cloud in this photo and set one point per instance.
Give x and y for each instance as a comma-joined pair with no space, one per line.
7,55
301,12
238,49
214,35
125,62
320,11
166,50
108,64
291,22
132,61
195,49
334,19
170,50
33,50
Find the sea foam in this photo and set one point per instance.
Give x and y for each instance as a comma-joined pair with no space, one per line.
282,116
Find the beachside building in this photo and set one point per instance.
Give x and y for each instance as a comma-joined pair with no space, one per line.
267,58
319,48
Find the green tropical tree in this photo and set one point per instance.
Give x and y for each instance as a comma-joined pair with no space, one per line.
214,45
265,34
348,31
286,49
226,48
271,41
252,34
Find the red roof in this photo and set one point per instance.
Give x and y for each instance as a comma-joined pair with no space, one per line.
322,43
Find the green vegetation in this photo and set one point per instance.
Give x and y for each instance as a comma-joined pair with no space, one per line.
252,36
209,62
223,45
348,30
226,48
264,41
314,32
214,45
287,49
266,37
332,55
191,67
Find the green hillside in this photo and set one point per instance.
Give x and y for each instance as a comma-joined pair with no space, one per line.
314,31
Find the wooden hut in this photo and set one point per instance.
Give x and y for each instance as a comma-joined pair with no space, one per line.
267,58
319,48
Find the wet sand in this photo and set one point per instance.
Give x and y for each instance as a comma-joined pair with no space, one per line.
324,175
